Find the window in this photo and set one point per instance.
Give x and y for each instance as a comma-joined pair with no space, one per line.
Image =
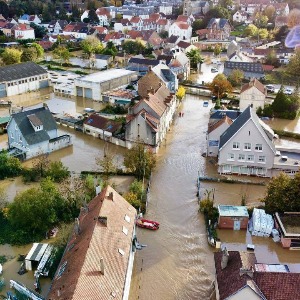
125,230
258,147
230,156
241,157
236,145
247,146
250,158
262,159
127,219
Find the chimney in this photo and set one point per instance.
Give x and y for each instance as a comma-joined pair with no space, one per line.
102,265
102,220
245,271
77,227
225,257
111,196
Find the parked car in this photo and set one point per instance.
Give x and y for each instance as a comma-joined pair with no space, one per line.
270,88
288,91
214,70
205,104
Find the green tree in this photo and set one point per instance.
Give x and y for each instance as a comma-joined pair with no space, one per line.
133,199
220,86
270,11
4,10
39,31
11,56
35,210
133,47
91,45
250,30
62,53
9,166
293,67
236,77
217,50
195,57
106,165
283,194
91,4
137,188
57,171
110,49
29,54
282,33
140,160
164,34
263,33
197,24
93,16
281,102
39,49
272,59
260,20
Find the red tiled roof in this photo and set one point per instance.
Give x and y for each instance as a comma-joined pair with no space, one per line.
217,124
254,82
162,22
102,11
268,68
81,277
135,20
278,286
99,122
182,25
182,18
229,279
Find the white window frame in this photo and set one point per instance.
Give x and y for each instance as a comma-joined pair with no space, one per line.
257,146
236,146
242,159
246,146
250,155
230,156
262,161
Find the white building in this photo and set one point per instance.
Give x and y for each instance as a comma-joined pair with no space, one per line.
24,32
253,93
246,147
92,86
166,9
22,78
181,29
240,16
34,132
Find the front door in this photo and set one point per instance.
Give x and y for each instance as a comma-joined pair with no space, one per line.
237,225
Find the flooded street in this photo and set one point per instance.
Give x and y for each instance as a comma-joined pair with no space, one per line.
177,263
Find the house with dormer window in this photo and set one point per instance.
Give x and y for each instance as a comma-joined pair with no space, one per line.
247,147
34,132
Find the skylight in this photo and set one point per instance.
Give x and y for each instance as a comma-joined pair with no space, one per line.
121,252
127,219
125,230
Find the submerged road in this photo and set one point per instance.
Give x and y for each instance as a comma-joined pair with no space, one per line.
177,262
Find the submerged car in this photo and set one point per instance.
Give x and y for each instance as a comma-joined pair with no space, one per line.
214,70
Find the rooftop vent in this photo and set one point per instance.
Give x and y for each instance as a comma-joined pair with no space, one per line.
102,220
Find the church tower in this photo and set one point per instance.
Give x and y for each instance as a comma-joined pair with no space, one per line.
187,8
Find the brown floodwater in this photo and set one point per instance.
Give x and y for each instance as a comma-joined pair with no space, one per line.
177,262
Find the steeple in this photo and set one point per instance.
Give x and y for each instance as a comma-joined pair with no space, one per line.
186,8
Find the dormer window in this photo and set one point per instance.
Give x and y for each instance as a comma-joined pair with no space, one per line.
35,122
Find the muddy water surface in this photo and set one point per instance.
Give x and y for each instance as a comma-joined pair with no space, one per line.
177,262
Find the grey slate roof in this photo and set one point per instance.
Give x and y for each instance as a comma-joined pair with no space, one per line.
26,128
242,119
219,114
219,22
20,71
143,61
245,66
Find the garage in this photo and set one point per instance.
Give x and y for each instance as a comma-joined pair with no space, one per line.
88,93
79,91
2,90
